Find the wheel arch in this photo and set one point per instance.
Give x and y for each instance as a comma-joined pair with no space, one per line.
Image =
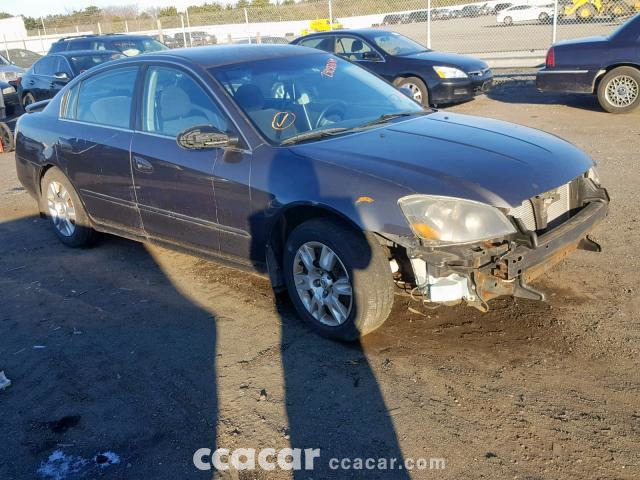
284,223
600,75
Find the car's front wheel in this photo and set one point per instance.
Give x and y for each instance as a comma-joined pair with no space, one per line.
619,90
507,21
418,89
61,204
6,137
543,17
338,278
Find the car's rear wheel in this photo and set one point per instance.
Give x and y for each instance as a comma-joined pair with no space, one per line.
543,17
338,278
6,137
63,207
619,90
28,99
418,89
508,21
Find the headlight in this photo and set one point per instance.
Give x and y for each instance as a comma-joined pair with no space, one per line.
8,90
450,221
592,174
449,72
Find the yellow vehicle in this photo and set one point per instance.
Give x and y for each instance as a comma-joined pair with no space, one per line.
587,9
321,25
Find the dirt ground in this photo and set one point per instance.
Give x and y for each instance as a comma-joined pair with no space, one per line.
126,358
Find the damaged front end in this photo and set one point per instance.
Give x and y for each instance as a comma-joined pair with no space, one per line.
544,230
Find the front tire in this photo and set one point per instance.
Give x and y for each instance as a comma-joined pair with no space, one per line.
619,90
418,89
508,21
61,204
338,278
6,137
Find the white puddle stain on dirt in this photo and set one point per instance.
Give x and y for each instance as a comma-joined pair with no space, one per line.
60,466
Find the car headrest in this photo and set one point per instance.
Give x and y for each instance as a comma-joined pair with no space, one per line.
174,103
356,46
249,97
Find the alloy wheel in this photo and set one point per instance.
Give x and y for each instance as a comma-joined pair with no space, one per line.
61,209
622,91
415,91
322,283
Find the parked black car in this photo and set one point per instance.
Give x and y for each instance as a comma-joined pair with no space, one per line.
52,72
198,39
303,166
168,40
129,45
21,57
9,72
435,78
608,67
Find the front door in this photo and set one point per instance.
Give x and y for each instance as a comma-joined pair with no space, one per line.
175,186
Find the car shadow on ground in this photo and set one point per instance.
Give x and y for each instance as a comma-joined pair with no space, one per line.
522,90
106,355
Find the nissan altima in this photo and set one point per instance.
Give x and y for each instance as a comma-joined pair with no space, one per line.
306,168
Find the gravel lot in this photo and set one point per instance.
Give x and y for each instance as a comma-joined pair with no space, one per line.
126,358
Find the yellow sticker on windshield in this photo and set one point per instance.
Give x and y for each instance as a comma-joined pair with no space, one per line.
282,120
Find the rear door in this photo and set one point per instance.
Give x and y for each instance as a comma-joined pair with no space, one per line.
39,82
175,186
95,146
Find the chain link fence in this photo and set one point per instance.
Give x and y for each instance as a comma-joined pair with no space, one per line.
518,31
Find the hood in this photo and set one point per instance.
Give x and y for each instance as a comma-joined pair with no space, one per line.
468,64
495,162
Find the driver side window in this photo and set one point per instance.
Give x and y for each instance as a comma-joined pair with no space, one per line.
173,102
351,48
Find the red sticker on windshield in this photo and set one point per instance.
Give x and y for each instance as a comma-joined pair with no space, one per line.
329,68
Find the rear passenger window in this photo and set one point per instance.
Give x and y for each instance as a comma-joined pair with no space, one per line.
321,43
46,66
106,98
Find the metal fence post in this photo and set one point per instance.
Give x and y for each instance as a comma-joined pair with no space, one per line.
99,29
330,16
126,26
554,28
428,23
246,21
186,11
184,34
44,29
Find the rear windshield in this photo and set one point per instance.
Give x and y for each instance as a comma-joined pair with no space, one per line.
629,30
82,63
136,46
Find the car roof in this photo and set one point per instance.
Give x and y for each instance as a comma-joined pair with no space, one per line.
109,36
220,55
364,32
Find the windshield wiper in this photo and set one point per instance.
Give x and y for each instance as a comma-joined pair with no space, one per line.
390,116
313,134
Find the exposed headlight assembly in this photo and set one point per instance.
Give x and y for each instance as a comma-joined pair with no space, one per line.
8,90
449,72
443,221
592,174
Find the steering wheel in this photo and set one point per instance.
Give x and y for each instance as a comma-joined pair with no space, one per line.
338,108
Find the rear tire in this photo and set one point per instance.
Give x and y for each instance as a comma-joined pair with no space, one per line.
61,204
619,90
507,21
417,86
543,17
359,277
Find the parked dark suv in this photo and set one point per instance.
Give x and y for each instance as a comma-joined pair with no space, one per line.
307,168
129,45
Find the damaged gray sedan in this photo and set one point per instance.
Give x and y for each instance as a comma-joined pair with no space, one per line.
304,167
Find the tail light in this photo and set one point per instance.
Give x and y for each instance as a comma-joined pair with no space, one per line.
551,58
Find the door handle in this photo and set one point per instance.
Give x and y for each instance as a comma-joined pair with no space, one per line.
142,165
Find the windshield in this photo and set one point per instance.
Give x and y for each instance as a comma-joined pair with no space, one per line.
82,63
131,47
396,44
289,97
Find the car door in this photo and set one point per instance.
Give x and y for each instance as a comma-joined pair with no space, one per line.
175,186
38,83
94,146
360,52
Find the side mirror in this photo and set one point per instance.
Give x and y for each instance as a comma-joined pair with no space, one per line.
62,76
372,56
204,137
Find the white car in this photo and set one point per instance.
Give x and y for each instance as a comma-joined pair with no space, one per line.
526,13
